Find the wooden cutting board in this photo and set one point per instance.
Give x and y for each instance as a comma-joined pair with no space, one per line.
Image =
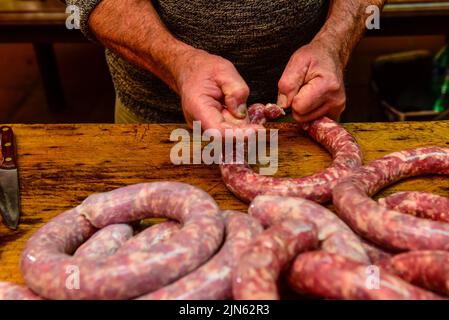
60,165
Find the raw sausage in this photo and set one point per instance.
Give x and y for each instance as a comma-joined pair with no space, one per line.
420,204
213,280
390,228
50,271
259,113
12,291
256,274
144,240
334,235
246,184
105,242
429,269
333,276
377,255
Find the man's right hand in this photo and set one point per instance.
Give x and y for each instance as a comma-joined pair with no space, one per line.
212,91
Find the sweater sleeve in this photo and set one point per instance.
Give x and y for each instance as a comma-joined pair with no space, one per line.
86,7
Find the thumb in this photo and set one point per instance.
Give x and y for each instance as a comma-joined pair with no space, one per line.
235,92
292,80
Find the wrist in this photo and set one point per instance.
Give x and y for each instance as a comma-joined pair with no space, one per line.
184,60
170,54
334,48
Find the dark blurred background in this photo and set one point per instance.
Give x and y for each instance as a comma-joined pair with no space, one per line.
49,74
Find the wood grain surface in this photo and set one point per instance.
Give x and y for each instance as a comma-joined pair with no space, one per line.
60,165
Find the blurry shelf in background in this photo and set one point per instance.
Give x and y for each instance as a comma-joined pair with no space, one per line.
44,20
414,17
32,11
35,21
416,7
42,23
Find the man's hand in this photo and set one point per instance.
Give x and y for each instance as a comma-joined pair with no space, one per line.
212,91
312,83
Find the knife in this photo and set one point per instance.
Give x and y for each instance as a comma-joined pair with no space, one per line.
9,180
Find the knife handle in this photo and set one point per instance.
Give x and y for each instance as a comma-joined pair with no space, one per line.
8,149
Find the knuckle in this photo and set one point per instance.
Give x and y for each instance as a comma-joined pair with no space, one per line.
296,117
340,102
334,84
286,85
296,106
226,64
241,90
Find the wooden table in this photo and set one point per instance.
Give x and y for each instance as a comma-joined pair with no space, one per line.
60,165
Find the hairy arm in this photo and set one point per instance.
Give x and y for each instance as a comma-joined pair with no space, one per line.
346,25
210,87
133,29
312,83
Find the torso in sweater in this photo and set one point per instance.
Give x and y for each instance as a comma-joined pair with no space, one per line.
258,36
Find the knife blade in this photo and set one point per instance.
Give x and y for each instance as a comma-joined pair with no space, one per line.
9,180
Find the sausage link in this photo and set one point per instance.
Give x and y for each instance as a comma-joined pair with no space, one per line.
246,184
428,269
259,113
50,271
386,227
377,255
105,242
213,281
332,276
335,236
144,240
420,204
256,274
12,291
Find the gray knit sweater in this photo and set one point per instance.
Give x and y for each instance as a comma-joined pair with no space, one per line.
258,36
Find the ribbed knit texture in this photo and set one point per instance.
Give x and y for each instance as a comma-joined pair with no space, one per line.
258,36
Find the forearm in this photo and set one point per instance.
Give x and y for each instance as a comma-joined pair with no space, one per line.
133,29
346,25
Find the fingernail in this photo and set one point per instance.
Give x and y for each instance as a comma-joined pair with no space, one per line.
242,110
282,101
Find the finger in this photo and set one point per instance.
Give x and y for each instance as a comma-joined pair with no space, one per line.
215,119
310,97
315,114
235,92
189,119
239,124
211,117
335,113
291,81
229,117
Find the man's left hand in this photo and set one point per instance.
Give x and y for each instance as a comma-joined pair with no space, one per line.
312,83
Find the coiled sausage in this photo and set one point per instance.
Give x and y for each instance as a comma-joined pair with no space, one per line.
144,240
12,291
213,280
420,204
246,184
105,242
333,276
334,235
256,274
50,271
390,228
429,269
